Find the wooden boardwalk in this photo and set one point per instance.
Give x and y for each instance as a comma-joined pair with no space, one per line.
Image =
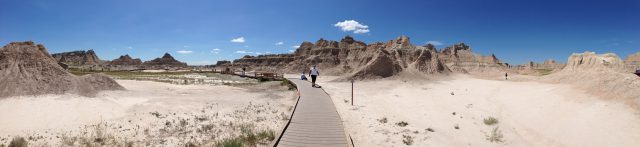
315,121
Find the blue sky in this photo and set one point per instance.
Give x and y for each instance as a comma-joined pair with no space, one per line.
201,31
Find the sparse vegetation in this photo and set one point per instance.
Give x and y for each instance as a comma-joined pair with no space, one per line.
495,135
267,135
248,137
288,84
18,142
490,121
233,142
402,123
544,71
406,139
430,130
456,127
383,120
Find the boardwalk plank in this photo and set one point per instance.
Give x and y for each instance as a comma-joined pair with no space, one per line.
315,121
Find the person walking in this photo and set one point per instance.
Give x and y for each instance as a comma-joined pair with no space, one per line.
313,73
505,76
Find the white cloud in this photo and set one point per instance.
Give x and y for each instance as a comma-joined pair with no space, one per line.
243,52
297,46
215,51
292,51
186,46
280,43
238,40
184,52
129,47
352,25
435,43
258,53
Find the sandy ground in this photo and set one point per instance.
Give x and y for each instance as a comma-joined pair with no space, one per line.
528,113
147,113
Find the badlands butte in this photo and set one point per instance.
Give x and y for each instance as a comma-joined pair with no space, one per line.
404,95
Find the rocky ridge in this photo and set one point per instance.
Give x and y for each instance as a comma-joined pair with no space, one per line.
165,62
376,60
76,58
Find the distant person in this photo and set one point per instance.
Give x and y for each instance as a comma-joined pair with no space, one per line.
505,76
244,69
302,77
313,74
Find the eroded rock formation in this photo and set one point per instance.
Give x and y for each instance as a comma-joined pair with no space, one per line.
376,60
28,69
590,60
460,58
125,60
78,58
633,62
165,62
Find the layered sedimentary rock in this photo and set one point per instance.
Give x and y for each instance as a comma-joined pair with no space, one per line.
78,58
590,60
352,58
633,62
599,74
548,64
165,62
124,62
376,60
460,58
28,69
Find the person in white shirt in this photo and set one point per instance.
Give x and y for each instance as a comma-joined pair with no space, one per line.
313,73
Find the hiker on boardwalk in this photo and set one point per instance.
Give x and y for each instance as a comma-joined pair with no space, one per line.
302,77
313,73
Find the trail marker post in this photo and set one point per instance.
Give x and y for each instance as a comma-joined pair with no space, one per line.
352,81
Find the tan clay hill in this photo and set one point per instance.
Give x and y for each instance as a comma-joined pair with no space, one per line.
27,69
633,62
376,60
78,58
599,74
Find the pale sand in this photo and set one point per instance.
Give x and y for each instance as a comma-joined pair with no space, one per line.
529,113
130,115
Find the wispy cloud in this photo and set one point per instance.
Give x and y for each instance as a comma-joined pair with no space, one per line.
433,42
243,52
292,51
129,47
280,43
238,40
184,52
295,47
352,26
186,46
215,51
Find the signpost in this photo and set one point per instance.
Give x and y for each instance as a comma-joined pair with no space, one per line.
352,81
